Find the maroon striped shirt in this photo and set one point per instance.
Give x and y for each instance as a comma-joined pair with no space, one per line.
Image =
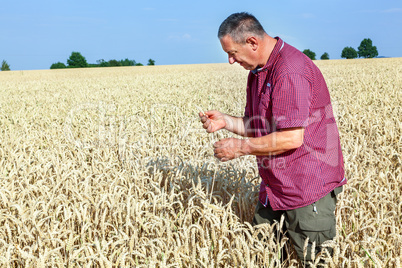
290,91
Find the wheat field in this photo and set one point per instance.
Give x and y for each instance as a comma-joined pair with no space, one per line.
110,167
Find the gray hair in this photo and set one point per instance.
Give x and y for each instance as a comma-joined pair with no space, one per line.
239,26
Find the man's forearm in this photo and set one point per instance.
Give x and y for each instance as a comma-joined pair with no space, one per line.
275,143
237,125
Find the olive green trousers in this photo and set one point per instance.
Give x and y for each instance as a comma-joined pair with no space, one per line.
315,222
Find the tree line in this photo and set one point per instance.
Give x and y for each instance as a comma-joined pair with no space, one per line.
76,60
365,50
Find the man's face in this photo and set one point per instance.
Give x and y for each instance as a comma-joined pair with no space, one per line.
240,53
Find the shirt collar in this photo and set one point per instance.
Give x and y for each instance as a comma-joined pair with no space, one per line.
272,58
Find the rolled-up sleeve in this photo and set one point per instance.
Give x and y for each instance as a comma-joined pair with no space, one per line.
291,101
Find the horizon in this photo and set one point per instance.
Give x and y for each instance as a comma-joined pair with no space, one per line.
179,64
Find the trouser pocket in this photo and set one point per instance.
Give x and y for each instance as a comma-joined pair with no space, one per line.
316,230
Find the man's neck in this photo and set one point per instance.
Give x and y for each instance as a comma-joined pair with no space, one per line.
268,45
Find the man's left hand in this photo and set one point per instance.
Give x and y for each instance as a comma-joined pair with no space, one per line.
228,149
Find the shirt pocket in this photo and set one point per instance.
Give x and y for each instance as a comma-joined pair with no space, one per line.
265,102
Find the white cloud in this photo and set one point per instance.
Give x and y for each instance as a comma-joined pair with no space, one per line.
308,16
168,20
393,10
178,37
390,10
282,36
186,36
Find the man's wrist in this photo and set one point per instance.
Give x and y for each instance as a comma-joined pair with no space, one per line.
226,119
246,147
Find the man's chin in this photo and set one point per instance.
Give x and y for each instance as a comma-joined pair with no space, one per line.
248,67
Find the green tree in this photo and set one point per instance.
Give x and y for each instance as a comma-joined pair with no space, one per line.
366,49
325,56
349,53
309,54
5,66
127,62
151,62
102,63
114,63
58,65
76,60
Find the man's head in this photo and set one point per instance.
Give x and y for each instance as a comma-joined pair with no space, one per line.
242,37
239,26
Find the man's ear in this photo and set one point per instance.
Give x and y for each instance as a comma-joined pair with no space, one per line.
253,42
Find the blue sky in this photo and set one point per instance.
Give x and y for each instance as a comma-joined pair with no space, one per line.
35,34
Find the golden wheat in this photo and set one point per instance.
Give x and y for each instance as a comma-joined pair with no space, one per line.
110,167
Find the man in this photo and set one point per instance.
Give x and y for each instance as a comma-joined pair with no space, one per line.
291,130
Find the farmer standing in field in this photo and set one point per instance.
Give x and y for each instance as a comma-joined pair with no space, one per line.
291,129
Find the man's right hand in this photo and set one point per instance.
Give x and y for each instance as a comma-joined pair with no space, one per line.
212,120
